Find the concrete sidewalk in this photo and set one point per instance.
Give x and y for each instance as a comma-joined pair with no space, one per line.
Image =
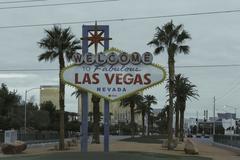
215,152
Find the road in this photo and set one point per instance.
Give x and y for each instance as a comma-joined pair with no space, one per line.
208,141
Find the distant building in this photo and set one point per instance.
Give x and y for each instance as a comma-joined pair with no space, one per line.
226,116
188,122
156,111
72,116
212,119
90,106
50,93
118,113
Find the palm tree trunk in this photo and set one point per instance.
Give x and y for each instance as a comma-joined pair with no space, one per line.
132,120
171,89
96,120
91,119
177,124
61,103
177,120
143,123
182,123
148,120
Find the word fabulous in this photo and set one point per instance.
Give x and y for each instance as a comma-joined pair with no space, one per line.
113,58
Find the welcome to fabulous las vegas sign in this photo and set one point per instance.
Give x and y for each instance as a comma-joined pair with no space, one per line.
113,74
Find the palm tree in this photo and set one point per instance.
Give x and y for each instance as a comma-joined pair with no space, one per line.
177,102
96,115
59,44
131,102
162,118
142,109
149,99
110,118
152,120
176,107
184,90
170,38
90,115
179,79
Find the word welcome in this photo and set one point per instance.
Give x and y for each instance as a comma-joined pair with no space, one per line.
113,58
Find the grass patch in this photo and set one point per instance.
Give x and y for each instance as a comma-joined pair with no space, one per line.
156,139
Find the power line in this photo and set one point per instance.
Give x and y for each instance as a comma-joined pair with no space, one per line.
56,4
55,69
28,70
122,19
210,66
23,1
229,91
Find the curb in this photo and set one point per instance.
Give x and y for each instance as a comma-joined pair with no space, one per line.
231,148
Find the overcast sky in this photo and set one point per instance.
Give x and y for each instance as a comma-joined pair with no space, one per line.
215,40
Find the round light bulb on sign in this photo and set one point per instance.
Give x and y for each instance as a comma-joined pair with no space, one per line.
147,58
124,58
89,58
78,58
135,58
101,58
112,58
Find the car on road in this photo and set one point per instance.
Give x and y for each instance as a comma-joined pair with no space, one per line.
189,135
206,136
198,135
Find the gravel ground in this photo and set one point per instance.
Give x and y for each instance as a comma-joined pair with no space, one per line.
149,150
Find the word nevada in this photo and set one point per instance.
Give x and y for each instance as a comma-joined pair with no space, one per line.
113,58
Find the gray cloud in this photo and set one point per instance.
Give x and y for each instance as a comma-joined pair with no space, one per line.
214,41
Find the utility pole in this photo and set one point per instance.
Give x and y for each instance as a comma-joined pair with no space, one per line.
197,123
214,103
25,113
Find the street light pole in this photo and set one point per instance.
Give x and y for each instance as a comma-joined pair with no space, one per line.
25,109
214,108
25,113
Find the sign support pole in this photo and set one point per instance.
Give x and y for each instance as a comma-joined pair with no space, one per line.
106,125
106,102
85,29
84,129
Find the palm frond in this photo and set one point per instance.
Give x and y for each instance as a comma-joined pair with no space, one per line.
159,50
176,31
184,35
184,89
134,99
168,27
47,56
77,93
184,49
58,41
170,38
